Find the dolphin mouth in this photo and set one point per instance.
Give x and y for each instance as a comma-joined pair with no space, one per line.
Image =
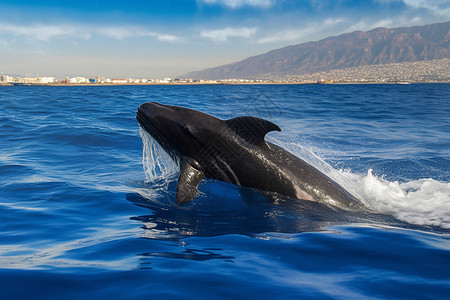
164,142
144,123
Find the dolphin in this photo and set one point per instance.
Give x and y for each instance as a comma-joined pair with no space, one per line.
236,152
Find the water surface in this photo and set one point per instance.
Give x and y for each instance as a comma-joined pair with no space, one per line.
81,217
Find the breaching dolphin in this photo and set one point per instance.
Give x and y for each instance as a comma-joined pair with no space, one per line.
235,151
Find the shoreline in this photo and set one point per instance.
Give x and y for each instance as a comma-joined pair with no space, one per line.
216,83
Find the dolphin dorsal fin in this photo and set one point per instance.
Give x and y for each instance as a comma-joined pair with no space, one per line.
252,129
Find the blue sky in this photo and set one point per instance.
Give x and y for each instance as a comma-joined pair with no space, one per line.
155,39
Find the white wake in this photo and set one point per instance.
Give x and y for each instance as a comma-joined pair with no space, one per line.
420,202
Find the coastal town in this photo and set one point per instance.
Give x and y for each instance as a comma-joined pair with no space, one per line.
433,71
411,72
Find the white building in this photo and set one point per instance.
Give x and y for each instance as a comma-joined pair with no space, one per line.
6,78
46,80
119,80
75,80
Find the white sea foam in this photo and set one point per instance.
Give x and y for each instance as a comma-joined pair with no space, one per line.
158,165
420,202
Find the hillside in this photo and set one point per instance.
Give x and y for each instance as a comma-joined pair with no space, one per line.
374,47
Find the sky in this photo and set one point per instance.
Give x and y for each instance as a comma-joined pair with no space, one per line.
167,38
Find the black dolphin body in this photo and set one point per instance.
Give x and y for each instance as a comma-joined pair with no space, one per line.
235,151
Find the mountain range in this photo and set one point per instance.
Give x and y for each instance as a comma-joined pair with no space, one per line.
375,47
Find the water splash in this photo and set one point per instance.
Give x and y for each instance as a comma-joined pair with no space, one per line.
348,180
419,202
158,164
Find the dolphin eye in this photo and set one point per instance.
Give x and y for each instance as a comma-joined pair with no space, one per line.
187,130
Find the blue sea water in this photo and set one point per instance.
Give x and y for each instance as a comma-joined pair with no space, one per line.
87,201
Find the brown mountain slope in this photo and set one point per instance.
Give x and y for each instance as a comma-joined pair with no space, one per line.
378,46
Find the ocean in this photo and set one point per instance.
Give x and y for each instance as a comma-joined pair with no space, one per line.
87,199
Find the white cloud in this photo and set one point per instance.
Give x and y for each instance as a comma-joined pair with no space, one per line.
222,35
291,35
240,3
121,33
39,31
437,7
287,35
399,21
42,32
369,25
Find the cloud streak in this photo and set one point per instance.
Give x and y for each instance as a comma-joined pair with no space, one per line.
222,35
38,32
291,35
239,3
437,7
121,33
41,32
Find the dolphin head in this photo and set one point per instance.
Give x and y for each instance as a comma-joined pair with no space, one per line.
205,145
182,132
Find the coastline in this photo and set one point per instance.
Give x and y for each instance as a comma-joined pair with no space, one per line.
216,83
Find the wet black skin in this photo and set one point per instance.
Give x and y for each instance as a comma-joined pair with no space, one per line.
235,151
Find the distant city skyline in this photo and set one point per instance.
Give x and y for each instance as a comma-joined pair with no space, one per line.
157,39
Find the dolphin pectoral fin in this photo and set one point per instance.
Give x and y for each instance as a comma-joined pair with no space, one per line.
252,129
188,182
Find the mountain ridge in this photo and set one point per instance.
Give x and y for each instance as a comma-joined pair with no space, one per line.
358,48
